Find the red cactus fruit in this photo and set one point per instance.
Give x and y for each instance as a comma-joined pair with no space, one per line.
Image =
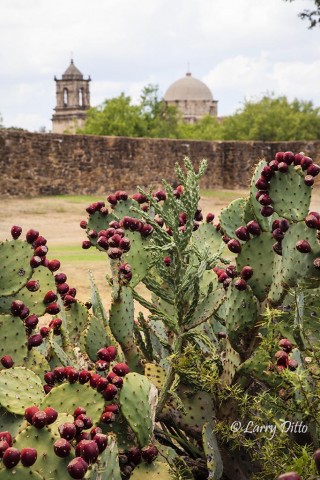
11,457
253,228
16,232
28,456
121,369
52,415
149,453
7,361
240,284
303,246
39,419
67,430
246,272
77,468
234,246
62,448
29,412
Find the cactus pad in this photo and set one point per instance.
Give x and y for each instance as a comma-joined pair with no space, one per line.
152,471
199,410
13,339
155,374
258,254
211,449
232,217
76,318
264,222
126,439
290,194
36,362
207,235
19,388
33,300
241,315
138,257
15,256
94,337
48,463
10,422
231,362
108,462
66,397
19,473
298,267
138,398
121,320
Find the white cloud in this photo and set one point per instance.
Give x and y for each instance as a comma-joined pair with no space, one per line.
245,77
240,47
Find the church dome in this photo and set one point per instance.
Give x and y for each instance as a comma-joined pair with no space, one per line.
188,88
72,73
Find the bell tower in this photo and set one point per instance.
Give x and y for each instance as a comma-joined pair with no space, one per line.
72,101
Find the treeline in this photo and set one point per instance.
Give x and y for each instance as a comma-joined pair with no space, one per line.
269,118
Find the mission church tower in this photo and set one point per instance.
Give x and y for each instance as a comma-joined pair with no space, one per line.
72,101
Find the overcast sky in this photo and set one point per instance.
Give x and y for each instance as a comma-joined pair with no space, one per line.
239,48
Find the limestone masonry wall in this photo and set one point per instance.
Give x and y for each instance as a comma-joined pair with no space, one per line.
34,164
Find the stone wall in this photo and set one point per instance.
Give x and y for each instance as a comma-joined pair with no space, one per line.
34,164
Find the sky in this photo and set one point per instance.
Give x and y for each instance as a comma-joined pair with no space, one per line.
241,49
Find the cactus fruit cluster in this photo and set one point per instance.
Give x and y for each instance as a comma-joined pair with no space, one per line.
228,332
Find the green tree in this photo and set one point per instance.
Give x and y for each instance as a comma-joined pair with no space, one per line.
117,116
207,128
273,119
161,120
312,15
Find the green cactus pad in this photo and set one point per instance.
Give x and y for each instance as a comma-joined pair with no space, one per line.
241,315
278,289
152,471
77,318
60,355
207,308
123,209
19,388
207,235
66,397
291,196
231,363
264,222
211,449
126,439
298,267
97,221
94,337
108,462
37,363
258,254
232,217
19,473
209,279
15,258
259,367
138,257
62,418
199,409
10,422
121,319
138,398
155,374
48,463
33,300
13,339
